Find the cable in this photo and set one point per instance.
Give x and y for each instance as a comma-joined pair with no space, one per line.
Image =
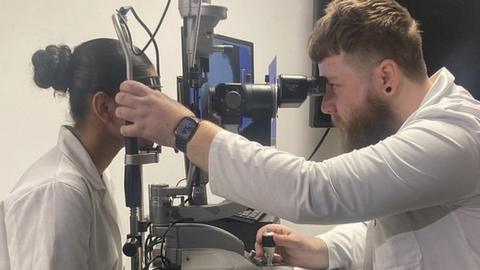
159,240
151,36
158,26
165,260
179,181
157,54
146,251
147,265
152,39
319,144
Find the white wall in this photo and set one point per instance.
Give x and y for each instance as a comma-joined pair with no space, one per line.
31,117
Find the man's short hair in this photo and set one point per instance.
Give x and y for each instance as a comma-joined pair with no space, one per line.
371,31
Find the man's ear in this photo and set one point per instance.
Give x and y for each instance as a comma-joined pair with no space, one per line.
103,107
387,77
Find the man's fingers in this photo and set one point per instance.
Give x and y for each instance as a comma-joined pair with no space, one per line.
284,241
135,88
130,130
277,258
280,241
258,249
128,100
275,228
125,113
260,232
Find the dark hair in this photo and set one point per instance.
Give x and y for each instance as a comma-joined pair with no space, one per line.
371,30
96,65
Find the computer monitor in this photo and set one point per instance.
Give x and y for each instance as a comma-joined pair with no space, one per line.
233,65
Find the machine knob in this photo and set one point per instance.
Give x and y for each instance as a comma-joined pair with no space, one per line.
130,248
233,100
268,247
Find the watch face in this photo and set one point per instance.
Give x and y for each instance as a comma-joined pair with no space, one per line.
186,127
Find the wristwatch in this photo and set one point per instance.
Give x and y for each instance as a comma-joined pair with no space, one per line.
184,132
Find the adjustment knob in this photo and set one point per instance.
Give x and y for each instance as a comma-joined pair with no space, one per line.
268,247
233,100
130,248
267,240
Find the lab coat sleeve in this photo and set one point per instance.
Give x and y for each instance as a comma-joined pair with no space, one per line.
48,228
4,257
428,163
346,246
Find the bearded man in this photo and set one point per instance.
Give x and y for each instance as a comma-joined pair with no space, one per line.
410,171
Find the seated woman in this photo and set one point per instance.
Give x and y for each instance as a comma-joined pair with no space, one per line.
61,214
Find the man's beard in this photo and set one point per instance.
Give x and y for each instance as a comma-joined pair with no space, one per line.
367,125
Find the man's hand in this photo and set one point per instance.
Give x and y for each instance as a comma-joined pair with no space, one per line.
293,248
153,115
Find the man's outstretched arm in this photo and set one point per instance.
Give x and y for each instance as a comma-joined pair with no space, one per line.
142,106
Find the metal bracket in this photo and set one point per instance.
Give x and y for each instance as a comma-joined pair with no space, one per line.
142,158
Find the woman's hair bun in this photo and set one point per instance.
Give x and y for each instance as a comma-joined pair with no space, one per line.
52,67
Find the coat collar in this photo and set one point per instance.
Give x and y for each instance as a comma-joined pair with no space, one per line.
71,146
442,81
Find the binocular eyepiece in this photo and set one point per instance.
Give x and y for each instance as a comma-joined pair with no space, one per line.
263,100
292,90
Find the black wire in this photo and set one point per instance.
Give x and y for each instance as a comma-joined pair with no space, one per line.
150,262
152,39
179,181
149,248
163,237
151,36
319,143
157,54
158,26
165,261
146,252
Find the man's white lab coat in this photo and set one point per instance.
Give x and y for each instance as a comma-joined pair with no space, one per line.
421,185
61,215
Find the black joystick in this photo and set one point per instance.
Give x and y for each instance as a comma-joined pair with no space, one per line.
268,247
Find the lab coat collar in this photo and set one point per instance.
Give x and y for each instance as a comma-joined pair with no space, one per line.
442,80
71,146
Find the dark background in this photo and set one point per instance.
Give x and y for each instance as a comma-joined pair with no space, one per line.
451,37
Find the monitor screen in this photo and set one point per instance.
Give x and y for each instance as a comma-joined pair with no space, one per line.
234,64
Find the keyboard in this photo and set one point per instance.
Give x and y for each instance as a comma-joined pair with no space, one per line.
249,215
